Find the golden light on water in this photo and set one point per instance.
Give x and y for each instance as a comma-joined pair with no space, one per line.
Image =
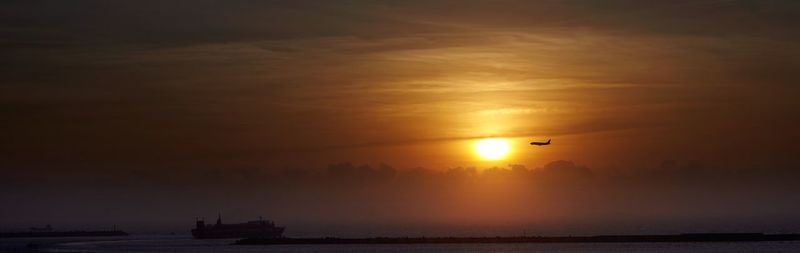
492,149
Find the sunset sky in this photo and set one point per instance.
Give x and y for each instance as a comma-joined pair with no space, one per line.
333,116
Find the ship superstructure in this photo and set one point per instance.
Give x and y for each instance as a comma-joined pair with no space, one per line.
251,229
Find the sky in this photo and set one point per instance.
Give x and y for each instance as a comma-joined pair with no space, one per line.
361,117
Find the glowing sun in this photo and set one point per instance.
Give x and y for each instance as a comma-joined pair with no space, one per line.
492,149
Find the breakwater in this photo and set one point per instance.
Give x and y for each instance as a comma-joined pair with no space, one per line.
716,237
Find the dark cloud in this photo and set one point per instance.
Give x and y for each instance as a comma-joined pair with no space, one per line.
92,23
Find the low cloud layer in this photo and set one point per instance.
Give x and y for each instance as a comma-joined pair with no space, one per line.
347,199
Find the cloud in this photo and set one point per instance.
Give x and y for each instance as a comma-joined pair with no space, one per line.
565,169
160,76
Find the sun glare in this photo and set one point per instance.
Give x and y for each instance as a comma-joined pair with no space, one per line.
492,149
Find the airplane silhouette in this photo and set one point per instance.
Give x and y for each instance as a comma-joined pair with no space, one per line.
541,143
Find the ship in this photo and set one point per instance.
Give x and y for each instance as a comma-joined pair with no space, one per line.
251,229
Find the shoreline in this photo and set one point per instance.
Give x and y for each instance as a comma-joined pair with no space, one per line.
62,234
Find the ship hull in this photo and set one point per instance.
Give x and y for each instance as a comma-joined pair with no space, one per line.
213,233
251,229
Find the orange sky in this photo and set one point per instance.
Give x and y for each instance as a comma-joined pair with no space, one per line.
396,82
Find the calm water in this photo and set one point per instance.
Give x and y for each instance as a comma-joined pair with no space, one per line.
180,244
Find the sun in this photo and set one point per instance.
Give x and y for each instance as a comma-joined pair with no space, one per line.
492,149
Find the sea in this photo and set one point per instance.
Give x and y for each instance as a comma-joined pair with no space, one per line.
185,244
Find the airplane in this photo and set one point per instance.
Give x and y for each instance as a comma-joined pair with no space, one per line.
541,143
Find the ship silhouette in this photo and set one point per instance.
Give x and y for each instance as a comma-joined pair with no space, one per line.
251,229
